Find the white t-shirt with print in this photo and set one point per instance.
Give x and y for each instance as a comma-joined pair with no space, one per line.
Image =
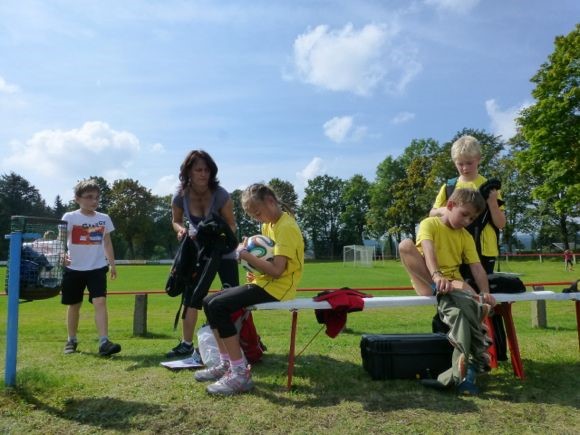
86,238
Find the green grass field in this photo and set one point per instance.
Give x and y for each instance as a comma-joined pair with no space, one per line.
131,393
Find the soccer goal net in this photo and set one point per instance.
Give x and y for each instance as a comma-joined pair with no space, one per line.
358,255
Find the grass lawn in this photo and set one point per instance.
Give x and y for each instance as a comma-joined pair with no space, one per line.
131,393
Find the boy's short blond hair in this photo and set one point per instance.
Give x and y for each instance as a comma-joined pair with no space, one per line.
465,146
471,197
85,186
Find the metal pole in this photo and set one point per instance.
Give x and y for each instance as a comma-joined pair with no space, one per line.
13,297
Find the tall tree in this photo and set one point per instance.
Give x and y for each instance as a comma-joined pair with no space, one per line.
413,195
18,197
551,126
59,208
131,210
356,204
162,241
246,226
285,192
320,214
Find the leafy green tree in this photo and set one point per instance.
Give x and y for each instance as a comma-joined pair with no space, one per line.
521,209
320,213
389,171
356,204
18,197
131,211
246,226
413,195
59,208
551,127
285,192
162,241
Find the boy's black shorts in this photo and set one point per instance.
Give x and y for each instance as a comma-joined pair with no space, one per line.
74,283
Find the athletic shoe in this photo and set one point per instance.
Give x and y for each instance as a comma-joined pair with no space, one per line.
235,381
467,386
109,348
182,349
70,347
214,373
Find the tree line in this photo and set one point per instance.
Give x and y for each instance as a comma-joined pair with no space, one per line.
538,168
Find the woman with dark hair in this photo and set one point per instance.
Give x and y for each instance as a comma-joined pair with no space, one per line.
198,196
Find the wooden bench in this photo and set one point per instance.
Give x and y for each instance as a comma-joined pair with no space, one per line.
503,307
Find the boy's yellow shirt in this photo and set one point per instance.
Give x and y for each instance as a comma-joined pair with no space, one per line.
452,246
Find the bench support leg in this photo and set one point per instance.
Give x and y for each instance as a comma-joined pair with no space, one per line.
577,303
491,349
292,351
505,309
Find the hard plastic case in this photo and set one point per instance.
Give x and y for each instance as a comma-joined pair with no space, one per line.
405,356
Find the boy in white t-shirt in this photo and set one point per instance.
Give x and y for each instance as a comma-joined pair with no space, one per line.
90,256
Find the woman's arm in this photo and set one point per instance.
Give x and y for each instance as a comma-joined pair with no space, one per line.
177,221
227,213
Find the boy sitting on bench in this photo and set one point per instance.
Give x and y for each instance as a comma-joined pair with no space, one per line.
433,263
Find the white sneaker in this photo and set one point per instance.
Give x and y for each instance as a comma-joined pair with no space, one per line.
233,382
212,373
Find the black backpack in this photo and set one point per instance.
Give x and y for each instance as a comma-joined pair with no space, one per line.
476,227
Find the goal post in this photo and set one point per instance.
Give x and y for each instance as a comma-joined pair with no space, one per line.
358,255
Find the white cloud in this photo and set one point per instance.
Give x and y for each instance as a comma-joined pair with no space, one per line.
503,121
354,61
58,158
314,168
7,88
337,128
456,6
402,117
157,148
342,129
166,185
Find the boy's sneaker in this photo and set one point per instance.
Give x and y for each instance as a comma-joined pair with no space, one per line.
182,349
235,381
214,373
467,386
70,347
109,348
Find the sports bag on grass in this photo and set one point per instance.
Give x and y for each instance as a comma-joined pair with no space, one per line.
250,341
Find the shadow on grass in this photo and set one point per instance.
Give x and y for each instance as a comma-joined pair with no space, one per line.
105,413
321,381
550,383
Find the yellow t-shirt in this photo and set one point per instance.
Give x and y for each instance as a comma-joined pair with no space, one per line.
488,237
452,246
288,242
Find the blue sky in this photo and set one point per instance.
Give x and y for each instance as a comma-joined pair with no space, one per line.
293,89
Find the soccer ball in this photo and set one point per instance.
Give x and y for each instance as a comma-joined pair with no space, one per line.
260,246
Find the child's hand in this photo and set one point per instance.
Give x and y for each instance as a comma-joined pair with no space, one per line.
488,299
492,199
442,284
249,276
